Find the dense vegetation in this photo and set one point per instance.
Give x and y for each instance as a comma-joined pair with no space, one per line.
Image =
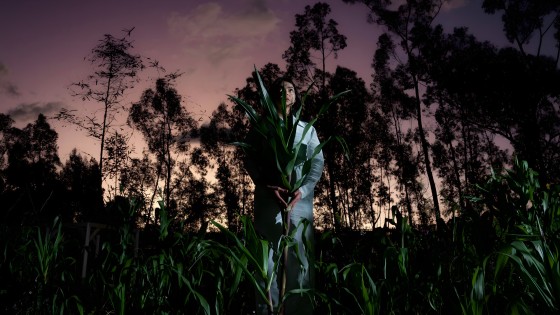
503,261
454,161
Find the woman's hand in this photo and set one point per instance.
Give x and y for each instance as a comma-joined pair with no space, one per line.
296,197
282,195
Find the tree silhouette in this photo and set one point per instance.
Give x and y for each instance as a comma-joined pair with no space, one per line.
523,18
396,106
501,92
352,180
6,123
226,125
81,181
117,158
138,181
166,127
116,70
315,34
531,120
197,200
32,185
409,24
463,152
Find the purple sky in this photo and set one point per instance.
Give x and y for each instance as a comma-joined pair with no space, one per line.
215,44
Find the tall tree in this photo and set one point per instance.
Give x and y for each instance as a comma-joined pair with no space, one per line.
464,151
316,34
115,71
197,200
117,158
138,181
524,18
531,119
349,119
226,126
398,157
81,182
6,128
503,92
31,173
166,126
408,23
6,123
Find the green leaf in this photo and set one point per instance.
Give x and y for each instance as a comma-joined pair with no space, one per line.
249,110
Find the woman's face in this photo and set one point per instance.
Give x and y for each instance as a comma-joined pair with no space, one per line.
290,94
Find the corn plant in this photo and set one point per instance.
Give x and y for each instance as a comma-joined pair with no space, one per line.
534,249
474,304
361,287
277,135
396,270
251,257
168,278
43,271
529,215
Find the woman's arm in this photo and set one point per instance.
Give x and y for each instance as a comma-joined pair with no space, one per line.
317,164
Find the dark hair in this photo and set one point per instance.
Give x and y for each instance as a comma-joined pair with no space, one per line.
276,92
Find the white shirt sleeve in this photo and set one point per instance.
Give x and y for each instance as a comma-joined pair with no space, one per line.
316,165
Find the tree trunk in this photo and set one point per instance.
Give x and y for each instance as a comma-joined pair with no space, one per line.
426,153
103,131
332,195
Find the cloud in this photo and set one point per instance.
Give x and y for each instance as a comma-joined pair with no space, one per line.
213,33
7,87
30,111
451,5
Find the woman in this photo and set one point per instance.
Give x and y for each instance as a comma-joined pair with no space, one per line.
271,200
